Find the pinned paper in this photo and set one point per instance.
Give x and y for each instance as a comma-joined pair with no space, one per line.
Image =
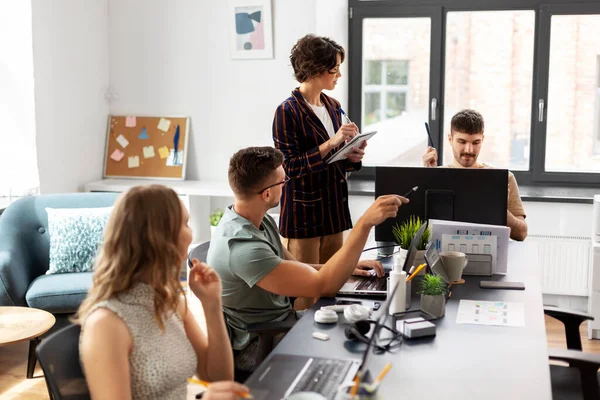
122,141
117,155
163,152
164,124
143,135
133,161
148,151
130,122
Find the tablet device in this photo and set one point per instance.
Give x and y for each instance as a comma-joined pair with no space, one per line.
355,141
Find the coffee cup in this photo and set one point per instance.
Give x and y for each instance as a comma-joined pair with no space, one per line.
454,263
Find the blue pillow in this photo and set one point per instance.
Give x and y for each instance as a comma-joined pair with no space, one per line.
75,236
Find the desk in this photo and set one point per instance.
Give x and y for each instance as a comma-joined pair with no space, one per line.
462,361
198,194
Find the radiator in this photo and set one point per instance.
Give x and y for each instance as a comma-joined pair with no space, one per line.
564,263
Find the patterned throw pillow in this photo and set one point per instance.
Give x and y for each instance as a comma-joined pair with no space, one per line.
75,236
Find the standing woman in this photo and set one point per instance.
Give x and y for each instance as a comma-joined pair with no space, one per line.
138,338
308,129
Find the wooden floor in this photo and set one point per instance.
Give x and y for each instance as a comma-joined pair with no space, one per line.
13,362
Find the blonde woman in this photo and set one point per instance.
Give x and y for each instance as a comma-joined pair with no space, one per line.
139,340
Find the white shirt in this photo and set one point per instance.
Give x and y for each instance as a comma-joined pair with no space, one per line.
321,112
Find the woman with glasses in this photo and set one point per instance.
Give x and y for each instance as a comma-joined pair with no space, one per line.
308,128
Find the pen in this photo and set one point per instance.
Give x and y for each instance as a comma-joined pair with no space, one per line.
411,191
345,115
428,133
207,384
419,268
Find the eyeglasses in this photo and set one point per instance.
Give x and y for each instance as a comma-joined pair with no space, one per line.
283,182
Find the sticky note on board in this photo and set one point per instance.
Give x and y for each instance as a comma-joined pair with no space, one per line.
117,155
143,135
130,122
164,124
122,141
163,152
133,161
148,151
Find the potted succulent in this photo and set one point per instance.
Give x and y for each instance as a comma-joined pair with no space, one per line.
214,219
433,295
404,233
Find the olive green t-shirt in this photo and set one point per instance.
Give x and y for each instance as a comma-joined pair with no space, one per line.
242,255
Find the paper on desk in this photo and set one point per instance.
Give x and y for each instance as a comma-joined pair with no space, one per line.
441,227
499,313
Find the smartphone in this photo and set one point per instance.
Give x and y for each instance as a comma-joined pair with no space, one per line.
347,302
502,285
439,204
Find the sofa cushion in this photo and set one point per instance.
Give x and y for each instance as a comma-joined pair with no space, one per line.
59,293
75,236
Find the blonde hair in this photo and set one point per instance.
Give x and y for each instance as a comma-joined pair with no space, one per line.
140,245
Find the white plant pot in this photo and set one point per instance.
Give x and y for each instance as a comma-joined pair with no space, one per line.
434,305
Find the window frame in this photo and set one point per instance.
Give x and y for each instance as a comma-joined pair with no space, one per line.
437,10
383,89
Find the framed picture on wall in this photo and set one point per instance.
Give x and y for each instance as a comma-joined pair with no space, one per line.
250,29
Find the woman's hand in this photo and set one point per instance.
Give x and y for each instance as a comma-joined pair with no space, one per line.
364,268
225,390
346,132
357,153
205,282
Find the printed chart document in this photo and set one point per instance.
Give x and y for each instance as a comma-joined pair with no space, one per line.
356,141
501,313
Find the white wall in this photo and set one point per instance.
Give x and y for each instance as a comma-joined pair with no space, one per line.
172,57
70,55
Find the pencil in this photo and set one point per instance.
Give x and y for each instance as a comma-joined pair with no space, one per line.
207,384
428,133
355,387
419,268
383,373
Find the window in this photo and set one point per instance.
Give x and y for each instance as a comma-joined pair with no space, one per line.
18,158
395,88
494,80
532,72
572,94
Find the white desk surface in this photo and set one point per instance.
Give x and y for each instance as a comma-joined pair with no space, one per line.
190,188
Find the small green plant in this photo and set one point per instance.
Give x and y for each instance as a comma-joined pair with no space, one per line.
432,285
215,217
404,233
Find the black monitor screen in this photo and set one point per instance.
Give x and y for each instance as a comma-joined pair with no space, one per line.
457,194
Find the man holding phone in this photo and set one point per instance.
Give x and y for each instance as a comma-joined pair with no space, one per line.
466,138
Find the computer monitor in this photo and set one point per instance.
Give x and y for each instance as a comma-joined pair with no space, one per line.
457,194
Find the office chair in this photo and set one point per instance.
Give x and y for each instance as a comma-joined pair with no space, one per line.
266,330
58,355
579,380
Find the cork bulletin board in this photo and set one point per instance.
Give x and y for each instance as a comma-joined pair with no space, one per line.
146,147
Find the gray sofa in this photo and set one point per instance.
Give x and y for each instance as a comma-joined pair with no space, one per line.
24,255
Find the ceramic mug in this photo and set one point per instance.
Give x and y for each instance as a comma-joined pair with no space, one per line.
454,263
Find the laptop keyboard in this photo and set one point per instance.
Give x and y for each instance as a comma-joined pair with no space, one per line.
373,283
323,376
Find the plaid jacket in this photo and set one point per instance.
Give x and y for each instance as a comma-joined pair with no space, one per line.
314,203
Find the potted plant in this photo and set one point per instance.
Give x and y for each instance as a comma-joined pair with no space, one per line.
214,219
404,233
433,295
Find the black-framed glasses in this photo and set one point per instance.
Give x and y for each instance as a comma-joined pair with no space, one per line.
283,182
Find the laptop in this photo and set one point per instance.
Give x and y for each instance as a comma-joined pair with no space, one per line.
282,374
377,287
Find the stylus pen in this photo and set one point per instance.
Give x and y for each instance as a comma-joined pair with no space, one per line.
428,133
411,191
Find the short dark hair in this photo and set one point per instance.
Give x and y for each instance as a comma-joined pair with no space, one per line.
467,121
314,55
250,168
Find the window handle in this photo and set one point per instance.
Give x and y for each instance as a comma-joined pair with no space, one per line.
541,110
433,108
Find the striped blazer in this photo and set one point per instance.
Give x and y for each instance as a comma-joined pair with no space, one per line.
314,203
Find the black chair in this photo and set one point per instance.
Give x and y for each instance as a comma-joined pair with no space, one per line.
579,380
58,355
266,331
